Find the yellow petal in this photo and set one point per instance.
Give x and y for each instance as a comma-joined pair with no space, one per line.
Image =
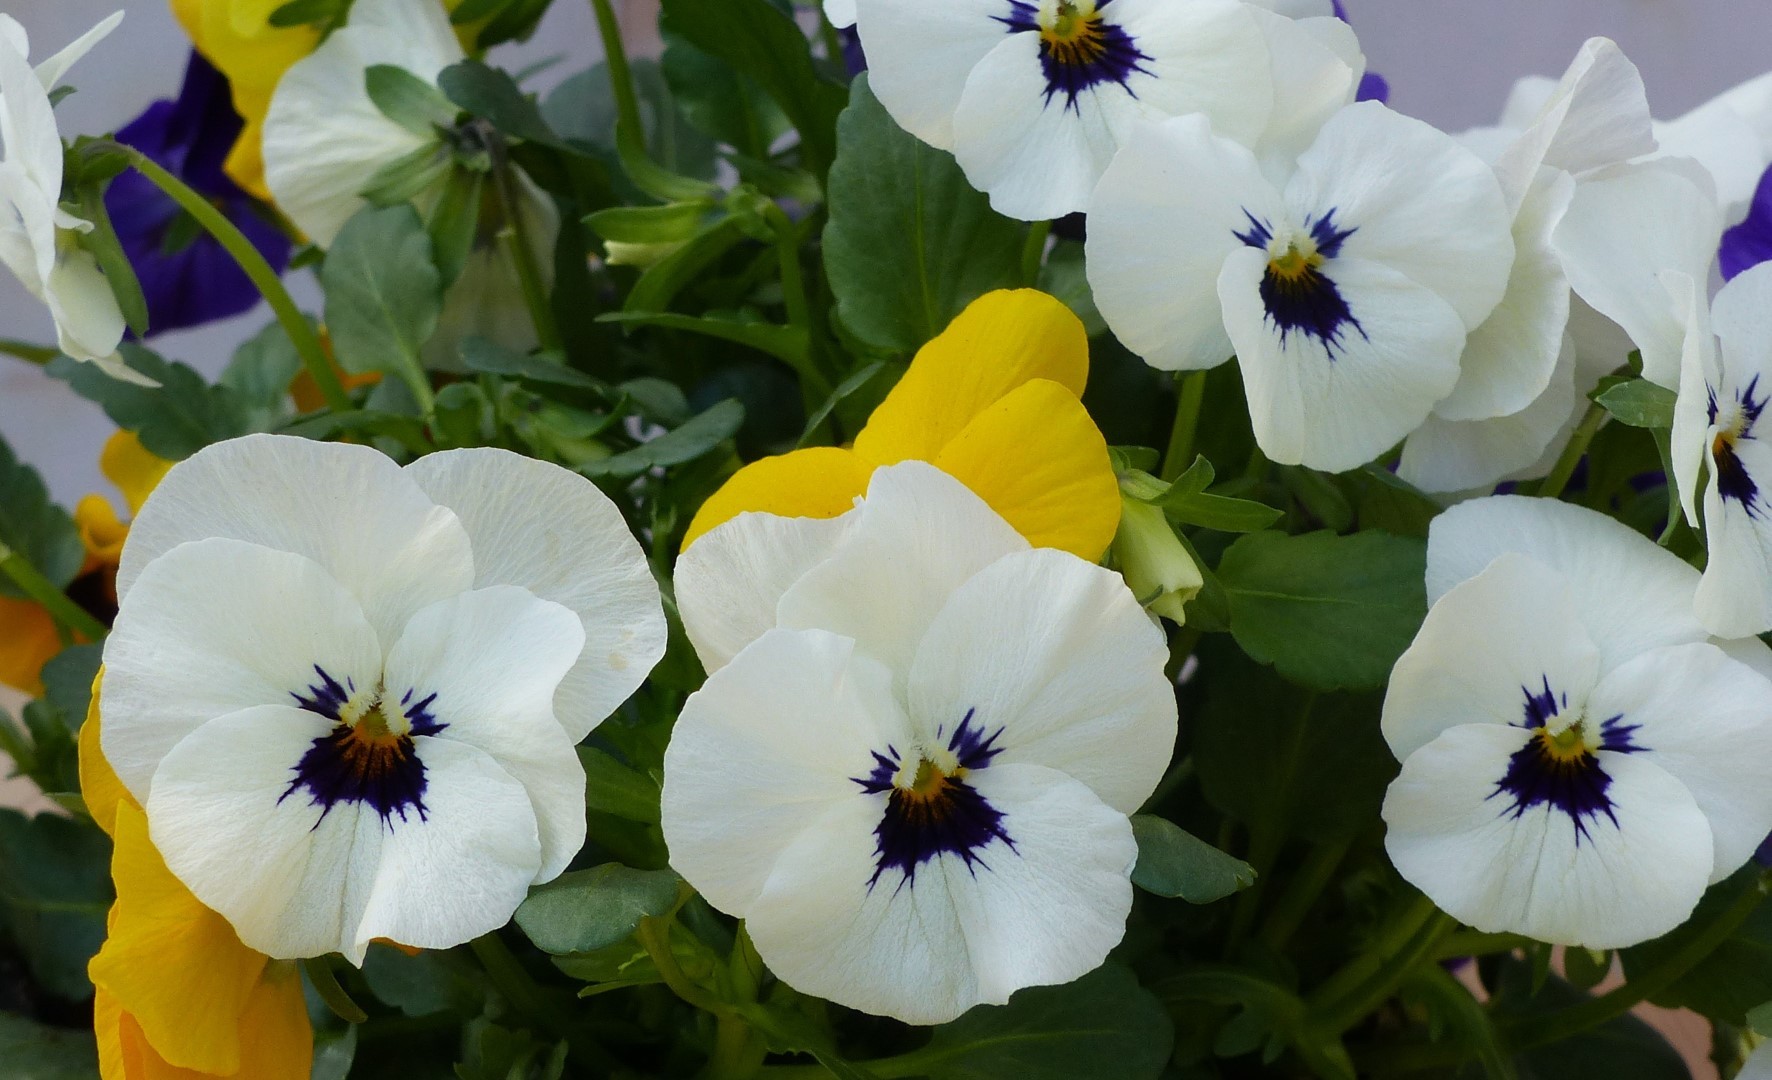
100,531
27,641
1002,340
99,785
276,1039
107,1025
818,482
129,465
1040,461
173,965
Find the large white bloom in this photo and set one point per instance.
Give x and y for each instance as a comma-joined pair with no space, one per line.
911,769
1347,292
1719,448
1035,96
1579,760
347,693
37,237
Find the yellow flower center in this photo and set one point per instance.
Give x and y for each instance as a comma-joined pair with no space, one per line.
1298,262
1567,745
1072,31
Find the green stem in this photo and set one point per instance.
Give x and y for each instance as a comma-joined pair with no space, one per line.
29,353
654,935
1190,390
295,324
64,611
1301,893
1553,485
1033,253
1339,1015
507,974
814,387
1463,943
325,983
516,237
1266,839
1544,1028
621,77
1391,940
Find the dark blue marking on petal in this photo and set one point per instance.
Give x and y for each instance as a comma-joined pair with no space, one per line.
1297,294
1097,52
344,765
1734,482
327,697
1569,779
941,813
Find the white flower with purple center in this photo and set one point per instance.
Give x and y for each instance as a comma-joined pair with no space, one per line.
911,770
1346,291
347,693
1033,97
1721,456
1579,761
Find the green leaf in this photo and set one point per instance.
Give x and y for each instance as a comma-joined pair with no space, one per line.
847,388
758,41
662,281
614,788
463,416
1585,968
1217,512
404,178
32,1051
695,438
1063,276
101,240
909,243
1328,611
494,359
423,985
175,419
383,293
1623,1047
408,100
666,224
67,682
1732,980
1638,403
790,344
262,370
1104,1026
722,104
36,528
1173,862
55,888
303,12
588,910
1452,1009
492,95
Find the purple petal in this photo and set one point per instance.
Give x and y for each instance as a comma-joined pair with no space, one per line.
1749,244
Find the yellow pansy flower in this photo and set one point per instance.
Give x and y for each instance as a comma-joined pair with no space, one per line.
178,996
29,638
994,401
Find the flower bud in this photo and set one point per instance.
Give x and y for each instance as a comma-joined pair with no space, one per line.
1157,567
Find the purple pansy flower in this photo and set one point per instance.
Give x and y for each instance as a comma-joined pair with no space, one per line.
1749,244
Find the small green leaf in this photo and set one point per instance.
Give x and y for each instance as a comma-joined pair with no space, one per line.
494,359
383,292
56,874
35,527
1173,862
492,95
101,240
1218,512
1328,611
454,222
697,437
304,12
1759,1018
175,419
651,224
407,176
663,280
408,100
1585,968
722,104
791,344
1103,1026
1638,403
910,243
588,910
844,390
463,416
614,788
262,370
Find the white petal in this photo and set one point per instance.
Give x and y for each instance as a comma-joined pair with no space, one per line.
919,56
1316,69
27,125
461,870
841,13
349,508
27,227
1735,595
50,71
539,526
1454,835
1624,227
88,322
1486,654
1591,551
1598,115
925,951
324,138
919,535
1206,56
731,579
291,880
1162,222
13,36
485,665
1338,409
1726,140
1470,455
1036,154
1743,321
1420,204
216,626
1058,654
1509,360
1699,371
1707,720
773,741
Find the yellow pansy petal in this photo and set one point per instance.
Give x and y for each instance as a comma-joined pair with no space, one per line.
101,532
1038,459
189,14
129,465
99,785
107,1024
245,163
819,482
1001,341
27,640
277,1040
174,966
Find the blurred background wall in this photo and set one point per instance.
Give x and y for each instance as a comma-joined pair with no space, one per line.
1450,62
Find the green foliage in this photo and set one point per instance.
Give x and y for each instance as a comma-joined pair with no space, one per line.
699,436
588,910
174,419
55,888
1734,979
32,1051
909,244
1173,862
34,527
383,293
1637,402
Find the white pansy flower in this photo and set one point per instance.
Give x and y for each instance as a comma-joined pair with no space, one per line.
1721,458
911,769
841,13
347,693
1346,293
37,237
1579,762
1731,136
1033,97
